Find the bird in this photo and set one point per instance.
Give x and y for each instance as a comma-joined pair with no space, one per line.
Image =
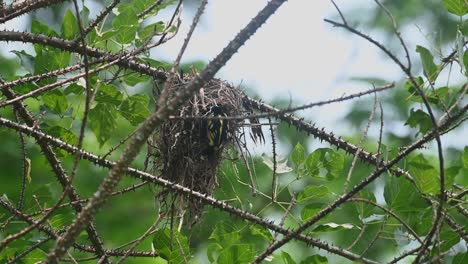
216,131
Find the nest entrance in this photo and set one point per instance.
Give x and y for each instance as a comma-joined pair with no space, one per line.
182,152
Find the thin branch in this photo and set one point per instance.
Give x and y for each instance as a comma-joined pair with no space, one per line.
397,33
339,12
388,211
274,181
361,143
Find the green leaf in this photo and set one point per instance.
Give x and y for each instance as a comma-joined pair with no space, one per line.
328,227
133,78
56,101
449,239
464,157
315,259
135,6
421,221
64,134
27,61
74,88
425,175
161,6
84,15
148,31
37,27
456,7
324,162
48,59
211,251
287,259
401,196
135,108
70,28
236,254
103,121
108,94
416,97
126,34
226,233
460,258
298,154
312,192
419,119
439,95
450,174
126,17
310,211
125,25
465,61
261,231
172,247
61,220
156,64
33,257
430,69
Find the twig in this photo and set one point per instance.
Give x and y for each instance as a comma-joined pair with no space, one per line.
388,211
361,143
277,112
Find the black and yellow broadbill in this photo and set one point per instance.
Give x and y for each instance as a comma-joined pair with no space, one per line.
216,130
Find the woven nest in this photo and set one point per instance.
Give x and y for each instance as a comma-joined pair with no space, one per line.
181,147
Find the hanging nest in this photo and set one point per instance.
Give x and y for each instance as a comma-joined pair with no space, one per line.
182,151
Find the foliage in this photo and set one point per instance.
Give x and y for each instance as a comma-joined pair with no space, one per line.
362,198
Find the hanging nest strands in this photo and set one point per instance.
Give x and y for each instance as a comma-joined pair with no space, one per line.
184,152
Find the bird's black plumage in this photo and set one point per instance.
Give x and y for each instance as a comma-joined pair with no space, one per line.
215,131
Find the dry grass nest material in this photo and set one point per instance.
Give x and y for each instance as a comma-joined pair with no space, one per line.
182,145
